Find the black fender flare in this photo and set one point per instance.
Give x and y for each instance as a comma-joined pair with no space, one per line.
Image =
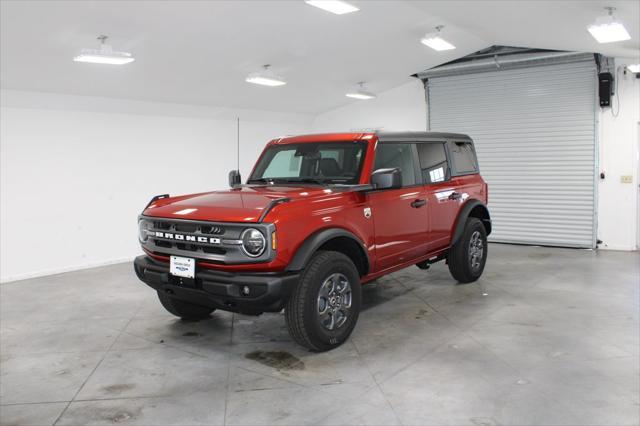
465,211
316,240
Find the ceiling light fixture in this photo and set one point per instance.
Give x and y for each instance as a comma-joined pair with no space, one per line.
435,41
104,55
333,6
635,68
361,93
265,78
607,29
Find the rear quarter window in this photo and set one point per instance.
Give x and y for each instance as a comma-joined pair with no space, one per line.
463,157
433,162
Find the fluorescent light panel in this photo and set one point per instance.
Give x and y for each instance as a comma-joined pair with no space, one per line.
361,95
437,43
97,58
333,6
634,68
265,81
609,33
104,55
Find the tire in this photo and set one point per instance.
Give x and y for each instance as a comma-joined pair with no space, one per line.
185,310
468,255
323,308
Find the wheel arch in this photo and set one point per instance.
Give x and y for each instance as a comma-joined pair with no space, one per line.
472,208
335,239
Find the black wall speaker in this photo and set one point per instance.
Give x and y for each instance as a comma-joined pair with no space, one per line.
605,88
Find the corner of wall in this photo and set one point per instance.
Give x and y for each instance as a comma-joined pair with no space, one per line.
619,160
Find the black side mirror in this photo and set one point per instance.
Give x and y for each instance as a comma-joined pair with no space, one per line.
234,178
386,178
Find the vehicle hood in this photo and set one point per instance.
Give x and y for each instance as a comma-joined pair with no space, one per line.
244,204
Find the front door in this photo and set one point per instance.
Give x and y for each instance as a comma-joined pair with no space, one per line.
400,215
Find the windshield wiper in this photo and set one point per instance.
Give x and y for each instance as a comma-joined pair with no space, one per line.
260,180
319,181
285,180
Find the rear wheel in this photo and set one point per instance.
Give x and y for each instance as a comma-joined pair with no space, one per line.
468,255
324,307
184,310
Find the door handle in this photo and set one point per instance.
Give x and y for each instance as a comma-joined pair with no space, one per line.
455,196
416,204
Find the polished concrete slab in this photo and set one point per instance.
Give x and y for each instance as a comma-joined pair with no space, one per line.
546,337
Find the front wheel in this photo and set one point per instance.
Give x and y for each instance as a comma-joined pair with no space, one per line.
468,255
324,307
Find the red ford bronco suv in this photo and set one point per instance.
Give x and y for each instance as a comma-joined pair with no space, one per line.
319,216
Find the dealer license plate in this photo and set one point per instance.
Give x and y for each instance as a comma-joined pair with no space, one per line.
184,267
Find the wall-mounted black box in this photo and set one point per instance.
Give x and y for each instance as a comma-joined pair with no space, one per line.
605,88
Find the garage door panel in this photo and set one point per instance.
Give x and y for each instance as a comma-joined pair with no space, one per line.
471,104
525,126
534,132
535,179
548,154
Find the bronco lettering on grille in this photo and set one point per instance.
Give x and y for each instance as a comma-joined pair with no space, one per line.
183,237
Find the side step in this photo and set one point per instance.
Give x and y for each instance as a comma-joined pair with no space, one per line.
425,264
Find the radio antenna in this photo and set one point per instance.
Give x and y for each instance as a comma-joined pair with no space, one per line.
238,141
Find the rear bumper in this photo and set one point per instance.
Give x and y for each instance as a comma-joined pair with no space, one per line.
220,290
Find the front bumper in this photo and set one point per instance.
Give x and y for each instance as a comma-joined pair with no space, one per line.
268,292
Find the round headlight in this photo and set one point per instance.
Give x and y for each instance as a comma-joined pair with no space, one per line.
143,230
253,242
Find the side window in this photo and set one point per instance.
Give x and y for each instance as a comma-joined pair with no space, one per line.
464,157
433,162
391,155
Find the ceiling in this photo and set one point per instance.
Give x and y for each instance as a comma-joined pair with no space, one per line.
199,52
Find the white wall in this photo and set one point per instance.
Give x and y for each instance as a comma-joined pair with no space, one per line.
618,214
403,108
77,171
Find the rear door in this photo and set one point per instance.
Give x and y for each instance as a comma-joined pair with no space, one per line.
443,198
400,215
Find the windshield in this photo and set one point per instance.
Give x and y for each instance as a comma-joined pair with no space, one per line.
319,162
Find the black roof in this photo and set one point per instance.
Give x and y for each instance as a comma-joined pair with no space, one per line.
419,136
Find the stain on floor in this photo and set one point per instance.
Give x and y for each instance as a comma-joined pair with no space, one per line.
280,360
119,388
191,334
422,313
484,421
119,417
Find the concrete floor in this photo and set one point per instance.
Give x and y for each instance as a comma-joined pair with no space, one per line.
546,337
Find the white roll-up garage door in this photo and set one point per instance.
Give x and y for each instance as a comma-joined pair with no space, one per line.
534,132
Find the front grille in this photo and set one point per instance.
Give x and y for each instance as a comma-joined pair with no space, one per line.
186,227
161,243
214,250
215,242
187,247
191,229
212,229
162,225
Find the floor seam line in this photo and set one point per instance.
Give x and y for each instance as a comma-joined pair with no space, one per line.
373,377
33,403
104,356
